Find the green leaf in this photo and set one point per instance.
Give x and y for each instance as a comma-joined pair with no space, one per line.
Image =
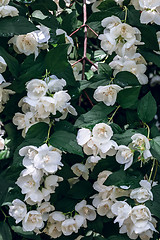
154,205
124,138
99,55
12,62
118,237
50,22
96,115
149,37
38,130
65,141
28,235
57,63
127,178
128,97
105,5
147,108
81,190
105,69
30,69
155,147
125,78
5,233
69,23
5,183
66,204
11,26
151,57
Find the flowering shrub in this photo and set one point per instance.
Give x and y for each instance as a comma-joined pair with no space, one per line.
80,113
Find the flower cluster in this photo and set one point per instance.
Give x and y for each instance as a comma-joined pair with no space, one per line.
136,221
44,97
6,10
123,39
32,42
98,141
150,12
4,93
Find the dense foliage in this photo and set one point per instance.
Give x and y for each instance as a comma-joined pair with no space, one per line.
80,113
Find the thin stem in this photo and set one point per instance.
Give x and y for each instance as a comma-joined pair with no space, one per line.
77,62
154,160
92,30
49,131
111,118
155,173
148,129
91,63
88,98
77,30
126,13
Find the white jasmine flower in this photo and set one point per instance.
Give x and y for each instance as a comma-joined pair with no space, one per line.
34,197
152,16
80,169
44,209
53,228
104,208
36,88
67,39
42,36
83,136
92,161
102,133
102,177
8,11
110,22
122,210
143,193
124,156
2,79
29,152
141,143
108,149
3,65
27,184
72,225
51,182
55,84
107,94
87,211
35,173
90,148
26,44
108,43
61,99
18,210
47,159
32,220
4,2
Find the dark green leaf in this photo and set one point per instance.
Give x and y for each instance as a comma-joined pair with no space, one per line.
38,130
154,205
65,141
149,37
80,190
105,69
69,23
124,178
12,62
128,97
97,114
11,26
151,57
155,147
5,233
57,63
125,78
118,237
147,108
105,5
124,138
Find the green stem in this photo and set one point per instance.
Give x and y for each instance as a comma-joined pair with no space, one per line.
148,129
49,131
155,173
126,13
154,160
111,118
